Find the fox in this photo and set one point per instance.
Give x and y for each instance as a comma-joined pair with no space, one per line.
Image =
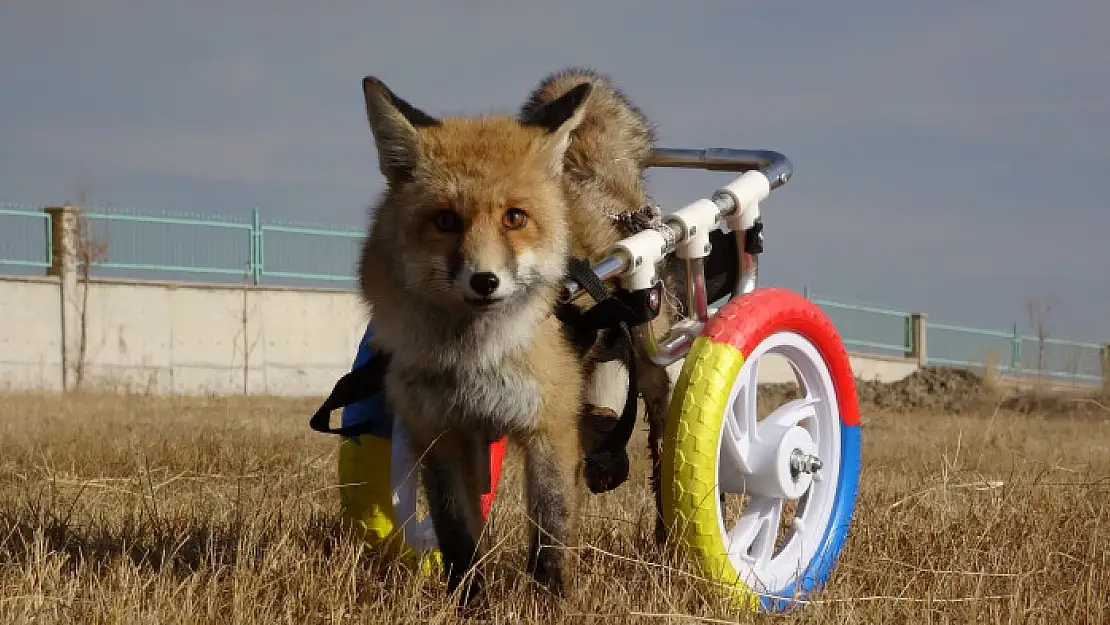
604,182
462,265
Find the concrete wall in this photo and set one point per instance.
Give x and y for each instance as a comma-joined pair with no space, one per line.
169,338
186,338
775,369
30,333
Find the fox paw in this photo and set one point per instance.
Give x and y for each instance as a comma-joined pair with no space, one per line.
604,470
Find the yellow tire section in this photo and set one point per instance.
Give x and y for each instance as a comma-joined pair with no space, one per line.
690,444
367,503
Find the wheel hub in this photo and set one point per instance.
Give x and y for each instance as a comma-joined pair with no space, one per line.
801,462
784,463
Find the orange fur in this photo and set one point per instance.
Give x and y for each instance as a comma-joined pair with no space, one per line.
473,201
465,254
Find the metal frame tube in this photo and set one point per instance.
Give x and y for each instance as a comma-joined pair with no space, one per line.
748,278
775,166
608,267
778,171
695,289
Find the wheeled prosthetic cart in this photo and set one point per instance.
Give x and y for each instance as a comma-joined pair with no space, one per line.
805,454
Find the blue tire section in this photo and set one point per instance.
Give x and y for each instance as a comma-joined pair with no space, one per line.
844,503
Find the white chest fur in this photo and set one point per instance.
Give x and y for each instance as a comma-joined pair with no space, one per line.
502,399
476,378
452,371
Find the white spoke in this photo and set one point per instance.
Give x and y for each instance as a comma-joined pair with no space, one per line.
791,413
797,525
799,379
735,447
764,546
749,398
754,535
739,427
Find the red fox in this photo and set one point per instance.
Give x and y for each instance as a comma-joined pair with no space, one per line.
603,183
464,258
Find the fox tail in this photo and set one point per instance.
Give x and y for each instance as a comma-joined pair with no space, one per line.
614,140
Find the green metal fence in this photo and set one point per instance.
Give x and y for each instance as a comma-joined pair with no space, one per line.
1011,352
244,249
962,346
172,243
25,236
1061,359
302,253
866,328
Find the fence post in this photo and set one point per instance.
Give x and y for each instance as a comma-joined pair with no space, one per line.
63,255
1106,368
1015,353
919,347
256,247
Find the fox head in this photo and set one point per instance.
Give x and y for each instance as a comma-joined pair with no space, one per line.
473,215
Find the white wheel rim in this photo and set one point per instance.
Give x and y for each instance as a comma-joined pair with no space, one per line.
762,561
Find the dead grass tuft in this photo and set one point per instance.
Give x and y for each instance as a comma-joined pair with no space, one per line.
140,509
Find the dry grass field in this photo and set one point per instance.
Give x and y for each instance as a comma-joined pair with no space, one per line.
133,509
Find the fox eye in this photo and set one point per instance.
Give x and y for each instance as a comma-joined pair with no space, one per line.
447,221
514,219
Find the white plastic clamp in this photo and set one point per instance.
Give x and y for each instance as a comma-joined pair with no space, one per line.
643,250
746,191
694,222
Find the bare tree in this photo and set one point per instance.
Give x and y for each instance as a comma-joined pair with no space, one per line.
248,345
88,250
1039,309
1075,363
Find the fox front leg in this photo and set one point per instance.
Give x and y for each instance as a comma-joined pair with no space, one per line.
552,460
451,473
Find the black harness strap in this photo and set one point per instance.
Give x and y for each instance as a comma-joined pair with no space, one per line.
607,466
361,382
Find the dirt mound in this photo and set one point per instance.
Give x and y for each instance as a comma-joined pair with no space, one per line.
943,389
772,396
953,390
934,388
1091,404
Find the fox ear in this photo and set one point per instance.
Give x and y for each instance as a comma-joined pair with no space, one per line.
394,123
559,118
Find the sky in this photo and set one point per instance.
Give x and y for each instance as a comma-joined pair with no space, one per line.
949,156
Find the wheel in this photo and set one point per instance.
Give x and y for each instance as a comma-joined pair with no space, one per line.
377,484
805,453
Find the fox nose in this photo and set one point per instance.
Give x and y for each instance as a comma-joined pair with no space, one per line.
484,283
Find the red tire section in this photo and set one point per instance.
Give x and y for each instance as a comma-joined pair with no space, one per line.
746,321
